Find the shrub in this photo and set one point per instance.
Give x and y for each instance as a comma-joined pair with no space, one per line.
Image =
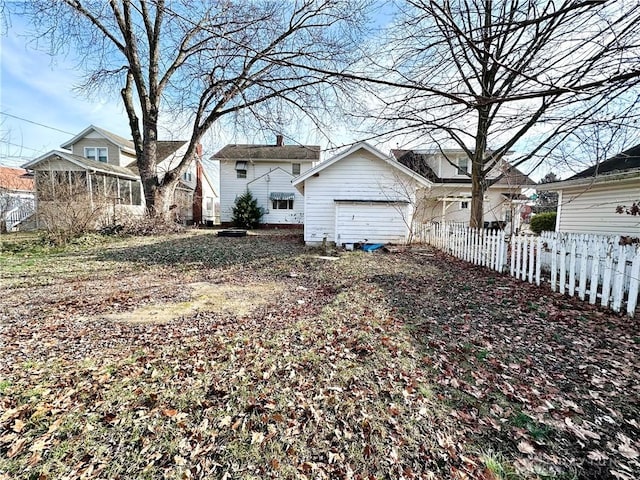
246,212
543,222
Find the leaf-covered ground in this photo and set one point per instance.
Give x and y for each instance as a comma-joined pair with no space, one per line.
192,356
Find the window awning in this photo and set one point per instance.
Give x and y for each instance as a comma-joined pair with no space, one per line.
241,165
281,196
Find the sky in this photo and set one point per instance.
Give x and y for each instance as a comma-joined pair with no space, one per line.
40,110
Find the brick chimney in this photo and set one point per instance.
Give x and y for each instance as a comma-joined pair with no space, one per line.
199,150
279,141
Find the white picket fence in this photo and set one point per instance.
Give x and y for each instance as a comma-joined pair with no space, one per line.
593,267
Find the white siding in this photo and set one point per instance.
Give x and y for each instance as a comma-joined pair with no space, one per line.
593,210
371,223
430,209
359,176
231,186
277,181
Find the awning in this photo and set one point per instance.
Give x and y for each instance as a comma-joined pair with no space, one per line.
281,196
241,165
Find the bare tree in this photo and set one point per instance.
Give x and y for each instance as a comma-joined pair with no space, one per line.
492,77
206,60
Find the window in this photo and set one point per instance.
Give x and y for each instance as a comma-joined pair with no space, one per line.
209,205
99,154
295,168
136,193
282,204
463,166
282,200
187,176
464,205
241,169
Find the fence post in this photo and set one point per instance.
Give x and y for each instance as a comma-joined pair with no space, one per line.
618,283
539,261
572,266
595,271
563,265
606,279
634,284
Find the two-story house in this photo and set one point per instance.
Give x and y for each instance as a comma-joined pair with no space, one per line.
449,198
267,171
103,165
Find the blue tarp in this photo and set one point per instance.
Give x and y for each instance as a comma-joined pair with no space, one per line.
370,247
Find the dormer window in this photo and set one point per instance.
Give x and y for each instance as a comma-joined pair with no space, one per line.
463,166
99,154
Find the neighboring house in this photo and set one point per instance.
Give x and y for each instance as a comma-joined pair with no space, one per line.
104,165
359,195
587,201
449,199
16,197
267,171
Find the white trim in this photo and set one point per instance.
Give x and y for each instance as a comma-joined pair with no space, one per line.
69,158
361,146
611,177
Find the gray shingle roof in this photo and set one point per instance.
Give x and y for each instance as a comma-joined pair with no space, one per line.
269,152
624,161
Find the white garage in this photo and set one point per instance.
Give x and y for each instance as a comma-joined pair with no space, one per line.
359,196
371,221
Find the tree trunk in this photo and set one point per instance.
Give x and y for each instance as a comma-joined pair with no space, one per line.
477,192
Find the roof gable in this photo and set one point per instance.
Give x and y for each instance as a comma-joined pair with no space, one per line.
362,146
279,171
121,142
83,163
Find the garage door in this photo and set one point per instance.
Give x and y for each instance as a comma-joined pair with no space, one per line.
371,222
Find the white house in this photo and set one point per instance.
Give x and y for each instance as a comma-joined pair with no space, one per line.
267,171
588,200
449,199
359,195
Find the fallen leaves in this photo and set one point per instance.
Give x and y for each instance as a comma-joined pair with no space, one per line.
370,366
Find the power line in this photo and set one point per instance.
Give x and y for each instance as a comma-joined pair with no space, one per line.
37,150
35,123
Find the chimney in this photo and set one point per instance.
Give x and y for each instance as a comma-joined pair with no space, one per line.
199,150
279,141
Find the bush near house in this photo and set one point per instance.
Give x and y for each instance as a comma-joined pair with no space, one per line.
246,212
543,222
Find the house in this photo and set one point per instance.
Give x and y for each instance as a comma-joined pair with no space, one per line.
267,171
449,198
587,201
16,197
359,195
103,165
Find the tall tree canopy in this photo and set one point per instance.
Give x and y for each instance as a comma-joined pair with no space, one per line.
206,59
492,76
